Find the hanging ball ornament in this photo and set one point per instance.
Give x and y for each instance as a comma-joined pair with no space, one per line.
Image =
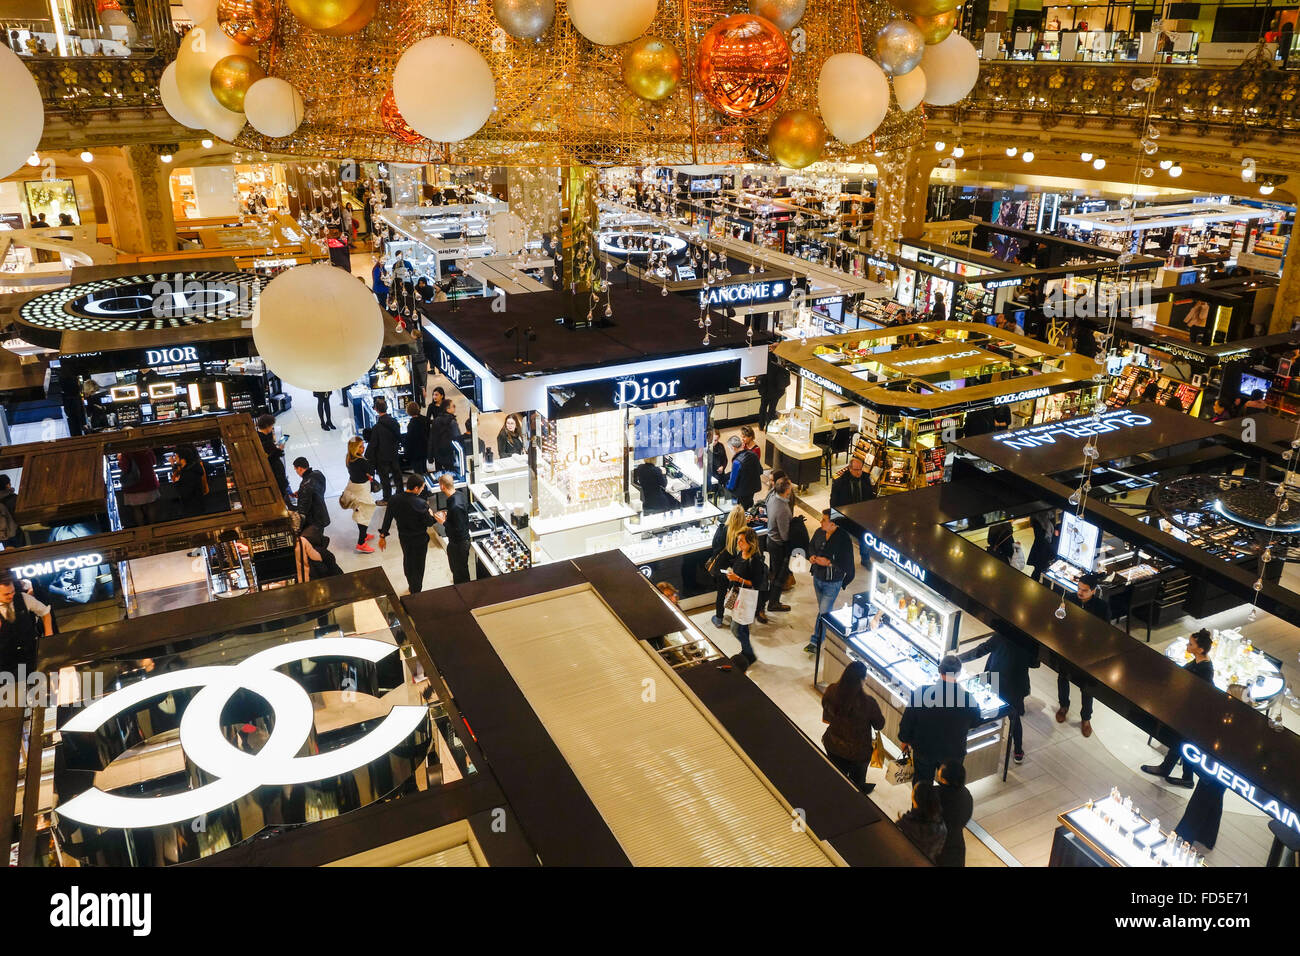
612,22
899,46
392,119
230,79
936,28
444,89
951,69
198,52
797,139
24,114
355,23
325,14
199,10
652,68
786,14
274,107
853,95
909,89
743,65
249,22
524,19
926,8
172,102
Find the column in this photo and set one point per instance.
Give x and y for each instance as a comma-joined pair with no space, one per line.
149,192
1286,305
578,227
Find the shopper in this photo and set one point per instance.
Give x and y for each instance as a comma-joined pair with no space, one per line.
649,479
377,284
1199,644
139,485
11,535
410,511
831,556
773,388
415,443
1002,541
357,496
191,480
510,439
747,571
385,449
923,824
956,806
314,558
274,451
715,463
323,410
937,721
851,715
22,623
455,520
1008,669
723,552
444,435
1204,812
779,512
746,470
1088,598
1043,551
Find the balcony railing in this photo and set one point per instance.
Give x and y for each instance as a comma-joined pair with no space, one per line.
74,88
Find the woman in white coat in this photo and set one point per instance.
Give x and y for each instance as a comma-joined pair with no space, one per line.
357,496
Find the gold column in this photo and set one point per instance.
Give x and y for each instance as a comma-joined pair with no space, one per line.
578,227
146,181
1286,305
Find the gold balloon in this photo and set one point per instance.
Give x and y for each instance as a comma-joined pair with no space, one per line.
935,29
231,77
797,138
357,22
652,68
248,22
926,8
325,14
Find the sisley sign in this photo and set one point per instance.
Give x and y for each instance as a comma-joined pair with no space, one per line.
1239,784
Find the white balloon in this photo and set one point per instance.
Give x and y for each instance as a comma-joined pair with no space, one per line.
200,10
611,22
951,69
853,94
444,89
909,89
23,120
172,102
197,54
273,107
318,327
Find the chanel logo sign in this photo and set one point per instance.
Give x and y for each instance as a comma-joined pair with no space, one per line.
234,773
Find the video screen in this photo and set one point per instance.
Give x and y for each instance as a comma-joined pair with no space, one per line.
73,580
1252,383
1079,542
668,432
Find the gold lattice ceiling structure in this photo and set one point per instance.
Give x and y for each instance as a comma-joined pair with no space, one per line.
560,100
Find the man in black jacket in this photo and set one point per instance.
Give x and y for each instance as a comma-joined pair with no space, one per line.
1199,644
957,806
415,443
385,449
456,522
1008,665
831,557
773,388
311,497
937,721
850,488
444,433
410,510
1089,598
746,470
274,452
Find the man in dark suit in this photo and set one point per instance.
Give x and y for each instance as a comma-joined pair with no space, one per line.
410,511
1008,665
274,452
455,519
311,497
850,488
937,722
385,449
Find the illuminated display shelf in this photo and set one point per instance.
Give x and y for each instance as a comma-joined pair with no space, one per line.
948,615
1126,838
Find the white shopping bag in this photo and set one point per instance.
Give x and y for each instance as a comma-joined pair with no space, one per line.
746,606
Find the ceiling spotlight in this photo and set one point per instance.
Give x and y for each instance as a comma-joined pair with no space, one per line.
1011,151
1266,189
1099,163
1175,170
207,144
1166,163
1086,157
958,152
940,146
165,157
1027,155
33,160
87,156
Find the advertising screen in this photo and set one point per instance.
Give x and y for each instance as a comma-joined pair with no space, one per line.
668,432
1079,542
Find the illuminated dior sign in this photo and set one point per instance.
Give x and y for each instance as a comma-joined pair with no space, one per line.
233,773
629,391
1234,781
824,383
163,302
744,292
890,554
1084,428
1021,396
54,566
934,360
171,356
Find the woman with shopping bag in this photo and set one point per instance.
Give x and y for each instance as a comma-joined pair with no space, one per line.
746,574
851,715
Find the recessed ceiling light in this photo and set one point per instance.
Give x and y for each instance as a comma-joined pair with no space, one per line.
207,144
1027,155
166,157
33,160
87,156
1011,151
1175,170
1086,157
1099,163
940,146
958,152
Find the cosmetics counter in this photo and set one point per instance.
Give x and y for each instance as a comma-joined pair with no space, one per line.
900,629
1240,668
430,239
390,379
1113,832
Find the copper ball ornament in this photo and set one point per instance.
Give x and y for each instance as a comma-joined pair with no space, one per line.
393,122
355,23
230,79
247,22
652,68
797,138
786,14
743,65
524,19
899,46
935,29
325,14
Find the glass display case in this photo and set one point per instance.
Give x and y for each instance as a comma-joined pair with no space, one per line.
1238,664
1114,832
927,620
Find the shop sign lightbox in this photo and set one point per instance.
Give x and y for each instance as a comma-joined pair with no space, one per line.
747,293
1074,428
1240,785
892,555
643,390
1024,396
